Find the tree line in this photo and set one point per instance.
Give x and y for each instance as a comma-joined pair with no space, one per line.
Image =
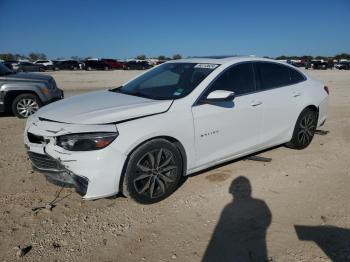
33,56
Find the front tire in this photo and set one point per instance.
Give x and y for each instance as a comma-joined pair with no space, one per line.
304,129
25,105
153,172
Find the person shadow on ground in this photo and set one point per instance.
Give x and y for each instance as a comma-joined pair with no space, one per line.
240,234
334,241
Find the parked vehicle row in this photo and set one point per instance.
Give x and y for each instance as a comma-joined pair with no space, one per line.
91,64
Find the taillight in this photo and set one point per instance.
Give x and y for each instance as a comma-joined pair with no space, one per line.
326,89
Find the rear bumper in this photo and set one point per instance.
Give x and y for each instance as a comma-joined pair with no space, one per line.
322,111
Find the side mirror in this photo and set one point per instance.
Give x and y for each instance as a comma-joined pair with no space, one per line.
220,96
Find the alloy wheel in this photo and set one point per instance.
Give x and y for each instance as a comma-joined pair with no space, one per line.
156,172
27,106
306,129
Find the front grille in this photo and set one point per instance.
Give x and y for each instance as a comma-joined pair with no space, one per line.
35,138
44,162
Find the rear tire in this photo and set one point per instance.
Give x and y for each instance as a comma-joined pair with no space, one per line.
304,129
153,172
25,105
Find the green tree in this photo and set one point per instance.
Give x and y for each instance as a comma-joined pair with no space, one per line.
282,57
321,58
37,56
177,56
307,57
141,57
7,57
342,56
161,58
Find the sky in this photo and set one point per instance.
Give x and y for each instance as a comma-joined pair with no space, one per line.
125,29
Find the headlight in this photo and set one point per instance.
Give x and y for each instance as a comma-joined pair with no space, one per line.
85,141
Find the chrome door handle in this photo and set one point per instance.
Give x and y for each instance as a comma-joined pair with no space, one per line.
256,103
296,94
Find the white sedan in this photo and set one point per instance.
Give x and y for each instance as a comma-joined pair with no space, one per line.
178,118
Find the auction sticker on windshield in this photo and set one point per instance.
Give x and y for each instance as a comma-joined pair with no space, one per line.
209,66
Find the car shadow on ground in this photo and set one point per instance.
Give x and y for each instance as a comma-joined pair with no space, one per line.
334,241
6,114
240,234
228,162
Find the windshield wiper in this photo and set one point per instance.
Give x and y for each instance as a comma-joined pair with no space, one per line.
119,90
115,89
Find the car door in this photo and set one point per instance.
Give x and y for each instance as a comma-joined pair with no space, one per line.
226,129
282,98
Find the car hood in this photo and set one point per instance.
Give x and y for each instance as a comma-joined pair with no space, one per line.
102,107
28,77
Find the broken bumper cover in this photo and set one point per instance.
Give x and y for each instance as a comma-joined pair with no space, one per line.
57,174
95,174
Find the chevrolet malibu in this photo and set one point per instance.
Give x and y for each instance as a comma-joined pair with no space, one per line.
176,119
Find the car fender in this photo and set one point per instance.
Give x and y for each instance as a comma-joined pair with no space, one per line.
22,87
136,132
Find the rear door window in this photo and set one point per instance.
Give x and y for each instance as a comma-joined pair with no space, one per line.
272,75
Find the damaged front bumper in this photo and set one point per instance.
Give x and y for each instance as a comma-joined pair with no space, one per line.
57,174
94,174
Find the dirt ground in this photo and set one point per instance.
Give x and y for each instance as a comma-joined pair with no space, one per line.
300,200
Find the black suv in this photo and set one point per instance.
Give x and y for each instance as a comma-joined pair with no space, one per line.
138,65
66,64
97,65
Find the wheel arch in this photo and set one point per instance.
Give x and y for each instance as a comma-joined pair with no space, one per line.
12,94
172,140
310,106
313,108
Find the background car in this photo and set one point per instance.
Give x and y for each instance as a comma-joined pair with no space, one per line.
24,93
96,65
48,64
66,65
342,65
13,63
114,64
30,67
8,65
136,65
318,65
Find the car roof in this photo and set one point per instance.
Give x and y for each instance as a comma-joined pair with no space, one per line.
222,59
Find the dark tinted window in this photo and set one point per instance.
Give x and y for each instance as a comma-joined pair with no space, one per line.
272,75
295,76
239,79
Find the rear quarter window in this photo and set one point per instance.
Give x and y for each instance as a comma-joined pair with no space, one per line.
295,76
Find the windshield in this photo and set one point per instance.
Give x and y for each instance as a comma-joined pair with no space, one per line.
4,70
168,81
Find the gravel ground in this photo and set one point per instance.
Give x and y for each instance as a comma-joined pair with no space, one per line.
299,209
